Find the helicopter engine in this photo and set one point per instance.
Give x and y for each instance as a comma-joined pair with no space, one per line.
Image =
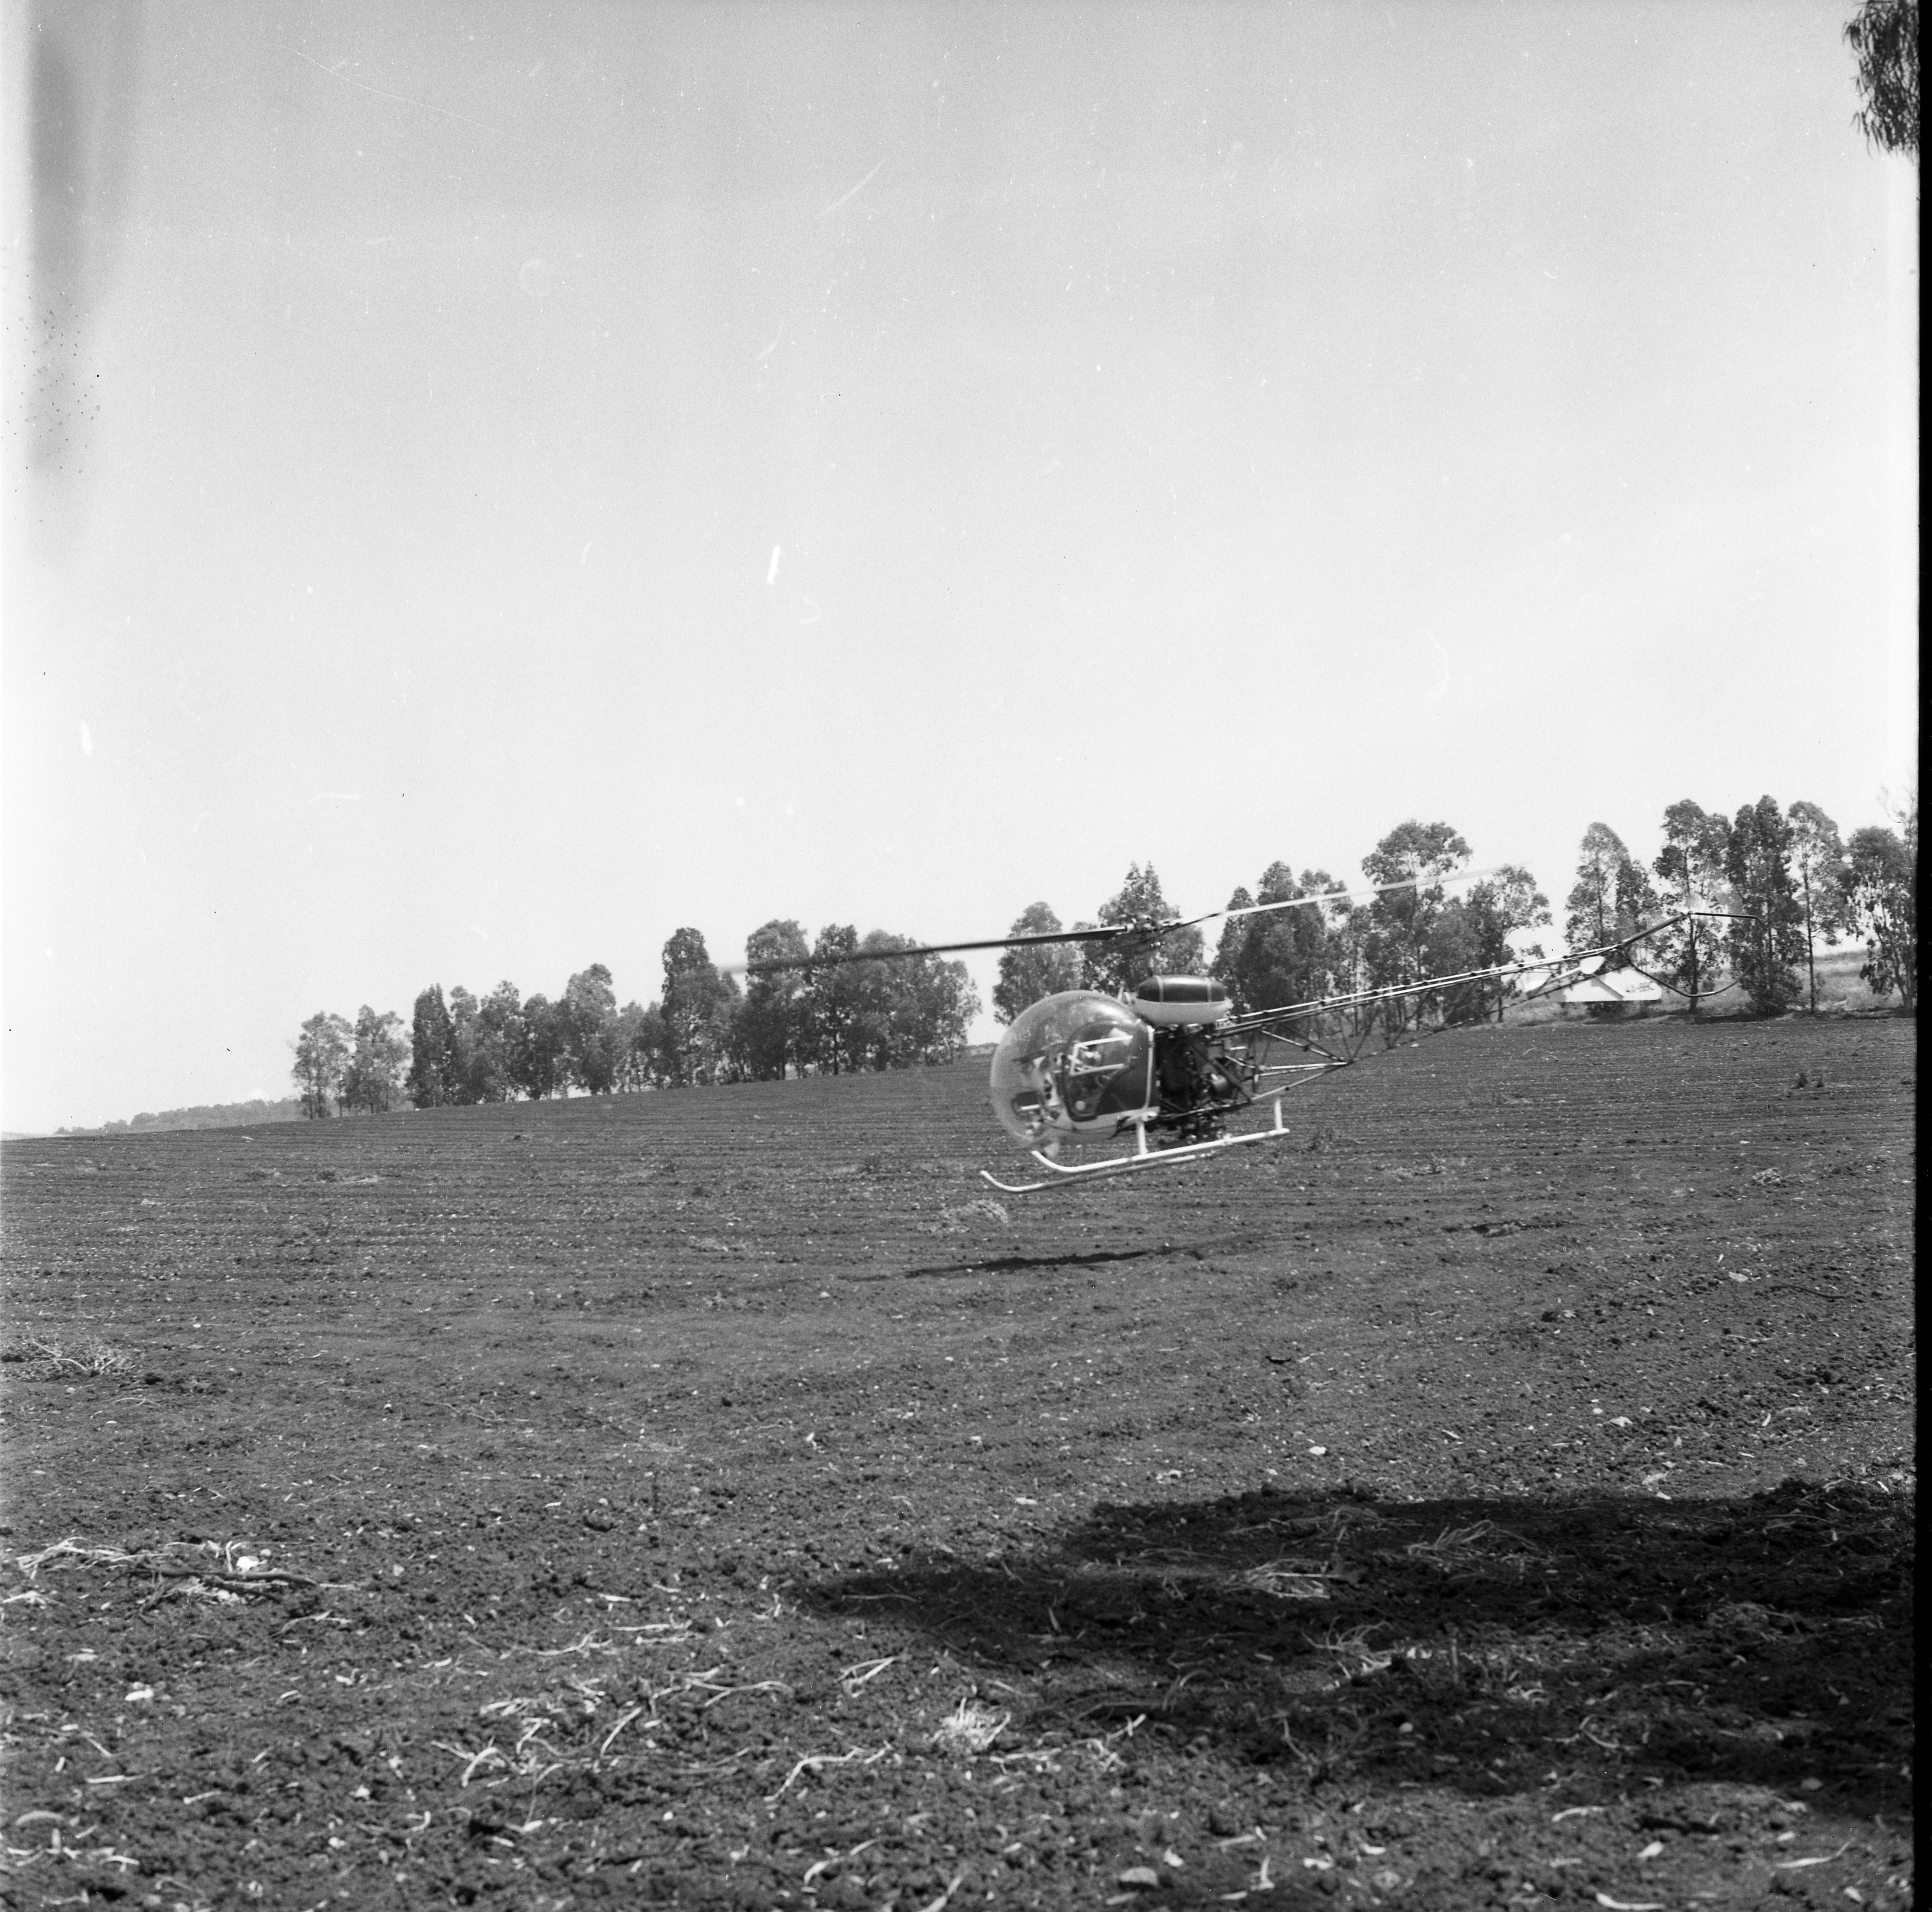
1083,1064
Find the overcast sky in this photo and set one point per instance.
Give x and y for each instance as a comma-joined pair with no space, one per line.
489,485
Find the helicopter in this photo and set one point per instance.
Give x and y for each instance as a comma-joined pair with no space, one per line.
1165,1068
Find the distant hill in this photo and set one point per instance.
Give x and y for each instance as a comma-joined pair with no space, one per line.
218,1116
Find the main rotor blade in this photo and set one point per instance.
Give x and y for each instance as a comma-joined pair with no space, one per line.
774,965
1105,932
1344,896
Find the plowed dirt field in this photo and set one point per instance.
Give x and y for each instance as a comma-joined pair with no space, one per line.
1500,1495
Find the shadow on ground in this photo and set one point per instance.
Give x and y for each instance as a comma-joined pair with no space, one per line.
1188,1250
1484,1644
1014,1264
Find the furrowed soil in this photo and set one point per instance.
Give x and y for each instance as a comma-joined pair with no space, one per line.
1500,1495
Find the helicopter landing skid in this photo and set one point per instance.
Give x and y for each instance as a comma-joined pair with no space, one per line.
1142,1159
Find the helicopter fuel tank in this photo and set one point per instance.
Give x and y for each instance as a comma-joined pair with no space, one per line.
1173,1001
1076,1063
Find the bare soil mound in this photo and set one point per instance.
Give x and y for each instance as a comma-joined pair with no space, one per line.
1500,1495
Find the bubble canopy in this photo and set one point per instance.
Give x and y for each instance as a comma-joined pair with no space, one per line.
1077,1063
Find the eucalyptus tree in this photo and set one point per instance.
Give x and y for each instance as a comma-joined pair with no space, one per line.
1612,897
768,1033
1881,902
1497,908
835,996
434,1074
1694,865
1119,965
372,1080
1285,956
493,1043
1884,34
538,1048
932,1005
322,1058
1026,975
695,1011
1767,943
636,1043
464,1031
1419,857
1818,862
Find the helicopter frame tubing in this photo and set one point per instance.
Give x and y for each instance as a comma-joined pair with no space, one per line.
1549,972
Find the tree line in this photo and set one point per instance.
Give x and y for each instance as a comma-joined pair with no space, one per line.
1337,945
1785,875
704,1028
1789,878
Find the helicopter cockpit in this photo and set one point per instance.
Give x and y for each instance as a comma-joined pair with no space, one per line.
1077,1063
